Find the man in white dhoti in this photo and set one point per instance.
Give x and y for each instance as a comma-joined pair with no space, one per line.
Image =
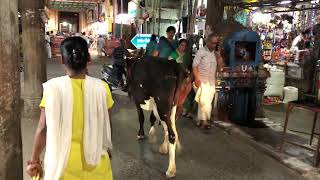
48,45
101,43
205,65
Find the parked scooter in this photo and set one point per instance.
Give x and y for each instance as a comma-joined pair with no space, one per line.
109,75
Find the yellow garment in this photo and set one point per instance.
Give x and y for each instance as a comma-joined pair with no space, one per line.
77,169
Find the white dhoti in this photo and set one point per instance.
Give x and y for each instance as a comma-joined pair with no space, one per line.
204,97
48,47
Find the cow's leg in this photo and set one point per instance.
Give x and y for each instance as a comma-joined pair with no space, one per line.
152,132
164,146
173,139
141,121
173,118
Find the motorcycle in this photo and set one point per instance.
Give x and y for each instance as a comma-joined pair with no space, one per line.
109,75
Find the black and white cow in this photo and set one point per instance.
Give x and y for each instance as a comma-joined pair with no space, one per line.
160,86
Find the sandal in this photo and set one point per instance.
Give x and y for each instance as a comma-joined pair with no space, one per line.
199,123
189,115
208,126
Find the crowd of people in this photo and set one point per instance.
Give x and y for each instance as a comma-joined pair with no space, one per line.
204,67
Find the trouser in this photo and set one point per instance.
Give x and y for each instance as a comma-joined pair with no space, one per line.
99,52
48,47
204,97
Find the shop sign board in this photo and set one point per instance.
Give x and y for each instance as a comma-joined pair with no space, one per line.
141,40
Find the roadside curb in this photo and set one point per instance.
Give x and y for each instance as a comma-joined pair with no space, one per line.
307,171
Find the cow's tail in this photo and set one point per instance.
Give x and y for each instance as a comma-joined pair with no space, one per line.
179,147
152,135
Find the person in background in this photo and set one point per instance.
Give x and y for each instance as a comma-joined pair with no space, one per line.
151,45
299,42
179,55
205,65
167,46
101,44
86,38
48,44
70,107
201,42
316,33
118,56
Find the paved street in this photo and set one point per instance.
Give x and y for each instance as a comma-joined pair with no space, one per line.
205,155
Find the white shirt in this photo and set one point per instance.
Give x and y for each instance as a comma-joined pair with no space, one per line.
295,42
207,64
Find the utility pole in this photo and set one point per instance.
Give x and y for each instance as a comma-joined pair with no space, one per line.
193,17
215,15
159,18
10,106
34,53
114,19
121,31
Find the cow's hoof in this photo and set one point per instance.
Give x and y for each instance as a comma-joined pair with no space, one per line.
163,149
141,137
170,174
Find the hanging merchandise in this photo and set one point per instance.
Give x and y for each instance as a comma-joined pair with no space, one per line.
267,50
241,17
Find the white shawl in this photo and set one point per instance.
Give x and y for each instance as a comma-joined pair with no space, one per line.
59,108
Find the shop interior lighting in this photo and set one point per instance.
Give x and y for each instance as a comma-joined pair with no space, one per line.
285,2
65,24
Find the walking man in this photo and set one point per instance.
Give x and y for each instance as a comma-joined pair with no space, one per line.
205,65
48,45
101,44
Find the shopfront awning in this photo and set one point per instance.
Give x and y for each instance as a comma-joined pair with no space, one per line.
266,3
72,5
275,6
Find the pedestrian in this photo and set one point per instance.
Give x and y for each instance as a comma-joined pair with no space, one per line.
167,46
151,45
118,56
74,124
101,44
205,65
316,33
179,55
48,44
299,42
86,38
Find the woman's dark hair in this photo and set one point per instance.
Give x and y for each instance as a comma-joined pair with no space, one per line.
75,54
162,38
153,37
171,28
306,32
182,41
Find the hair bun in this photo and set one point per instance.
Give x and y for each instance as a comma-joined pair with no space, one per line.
75,53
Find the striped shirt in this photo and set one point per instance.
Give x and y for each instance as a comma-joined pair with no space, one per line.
207,64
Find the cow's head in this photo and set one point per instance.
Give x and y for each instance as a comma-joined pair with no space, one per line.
130,61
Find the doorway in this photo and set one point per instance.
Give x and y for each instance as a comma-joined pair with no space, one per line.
69,22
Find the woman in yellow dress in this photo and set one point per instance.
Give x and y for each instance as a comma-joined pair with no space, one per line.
72,140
